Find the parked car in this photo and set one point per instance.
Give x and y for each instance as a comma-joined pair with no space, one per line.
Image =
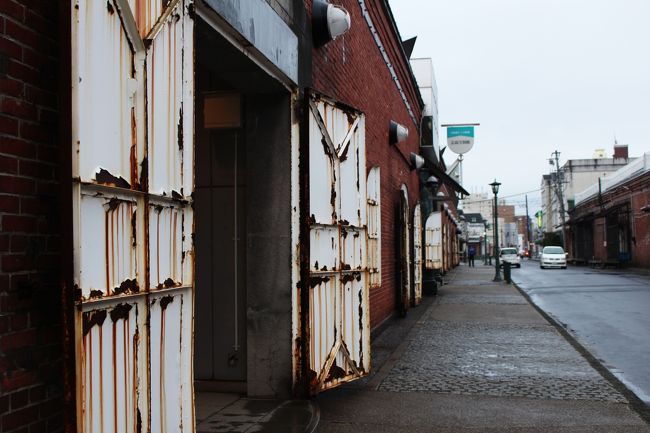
510,255
552,257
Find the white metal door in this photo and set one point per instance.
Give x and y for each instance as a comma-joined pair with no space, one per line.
374,226
405,252
417,255
338,323
132,147
433,241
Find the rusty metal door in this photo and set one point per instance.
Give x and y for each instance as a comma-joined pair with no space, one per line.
132,147
404,252
433,241
417,255
337,318
374,226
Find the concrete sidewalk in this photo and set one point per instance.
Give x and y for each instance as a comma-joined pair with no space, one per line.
477,358
227,412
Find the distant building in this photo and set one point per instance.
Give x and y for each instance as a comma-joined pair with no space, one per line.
610,223
423,71
523,229
479,202
475,233
574,176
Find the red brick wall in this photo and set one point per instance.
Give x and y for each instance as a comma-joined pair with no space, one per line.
507,212
641,231
352,70
30,348
635,194
600,250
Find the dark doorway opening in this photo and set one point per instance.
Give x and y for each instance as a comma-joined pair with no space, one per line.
242,206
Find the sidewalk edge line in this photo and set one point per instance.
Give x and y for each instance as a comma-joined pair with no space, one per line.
634,402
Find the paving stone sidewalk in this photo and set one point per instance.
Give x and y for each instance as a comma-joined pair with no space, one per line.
478,358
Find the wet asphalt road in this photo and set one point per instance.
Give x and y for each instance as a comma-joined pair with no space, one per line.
607,311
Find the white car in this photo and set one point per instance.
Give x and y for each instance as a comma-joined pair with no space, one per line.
552,257
510,255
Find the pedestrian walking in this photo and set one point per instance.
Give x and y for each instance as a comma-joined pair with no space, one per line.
472,253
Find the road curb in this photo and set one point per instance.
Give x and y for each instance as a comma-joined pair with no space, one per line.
635,402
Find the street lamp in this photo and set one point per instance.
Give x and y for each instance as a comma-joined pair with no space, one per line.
484,241
495,189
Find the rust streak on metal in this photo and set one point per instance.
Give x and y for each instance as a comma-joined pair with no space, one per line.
361,329
93,318
336,372
107,241
165,301
168,283
134,226
180,125
87,368
174,253
104,177
347,278
120,312
358,173
127,286
133,160
144,173
101,373
161,374
114,354
344,155
125,362
159,211
316,281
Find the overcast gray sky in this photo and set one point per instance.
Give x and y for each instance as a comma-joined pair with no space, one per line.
539,76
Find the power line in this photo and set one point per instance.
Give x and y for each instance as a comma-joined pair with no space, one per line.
503,197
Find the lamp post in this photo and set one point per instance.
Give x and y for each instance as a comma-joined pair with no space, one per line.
484,241
495,189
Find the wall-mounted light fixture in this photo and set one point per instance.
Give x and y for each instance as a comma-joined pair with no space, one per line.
432,182
328,21
397,132
417,162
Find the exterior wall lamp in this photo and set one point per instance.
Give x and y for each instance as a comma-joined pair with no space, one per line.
417,162
329,21
433,183
397,132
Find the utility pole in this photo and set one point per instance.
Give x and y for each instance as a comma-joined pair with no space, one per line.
527,225
559,195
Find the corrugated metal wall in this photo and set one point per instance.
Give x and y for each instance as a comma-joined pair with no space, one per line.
338,337
132,138
417,255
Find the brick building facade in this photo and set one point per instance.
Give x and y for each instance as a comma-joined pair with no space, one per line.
31,386
352,70
609,224
366,69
